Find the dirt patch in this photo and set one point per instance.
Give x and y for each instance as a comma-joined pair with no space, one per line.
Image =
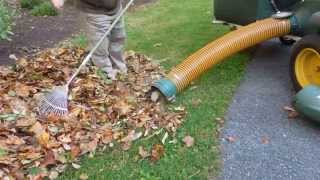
32,32
35,33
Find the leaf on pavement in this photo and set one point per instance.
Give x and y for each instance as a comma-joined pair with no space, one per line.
231,139
292,113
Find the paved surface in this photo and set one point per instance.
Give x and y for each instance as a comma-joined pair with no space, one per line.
268,145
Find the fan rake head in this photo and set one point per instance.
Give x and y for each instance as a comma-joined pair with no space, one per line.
55,102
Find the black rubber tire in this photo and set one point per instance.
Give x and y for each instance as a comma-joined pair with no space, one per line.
308,41
286,41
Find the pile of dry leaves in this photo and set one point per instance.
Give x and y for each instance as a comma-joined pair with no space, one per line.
102,113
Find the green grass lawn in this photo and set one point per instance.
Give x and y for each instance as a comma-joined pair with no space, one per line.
169,31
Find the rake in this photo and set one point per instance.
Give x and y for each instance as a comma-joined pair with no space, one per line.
56,101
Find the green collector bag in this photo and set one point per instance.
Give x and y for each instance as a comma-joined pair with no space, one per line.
307,102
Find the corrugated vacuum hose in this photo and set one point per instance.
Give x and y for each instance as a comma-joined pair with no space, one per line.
213,53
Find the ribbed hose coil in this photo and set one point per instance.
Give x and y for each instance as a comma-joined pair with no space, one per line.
218,50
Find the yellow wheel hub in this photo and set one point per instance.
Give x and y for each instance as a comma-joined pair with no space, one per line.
307,67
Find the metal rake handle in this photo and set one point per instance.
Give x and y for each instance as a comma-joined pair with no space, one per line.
87,58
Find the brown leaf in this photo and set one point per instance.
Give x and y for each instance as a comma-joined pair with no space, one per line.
265,140
53,175
89,147
107,136
49,159
122,107
22,90
126,146
66,71
188,140
293,115
231,139
26,122
75,151
5,70
22,62
143,153
40,133
18,174
288,108
83,177
93,145
14,140
65,138
132,136
18,106
196,102
157,152
30,155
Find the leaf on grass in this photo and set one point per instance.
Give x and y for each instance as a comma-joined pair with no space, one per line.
188,140
126,146
107,136
166,135
196,102
89,147
75,151
132,136
76,166
179,109
143,153
83,177
157,152
53,175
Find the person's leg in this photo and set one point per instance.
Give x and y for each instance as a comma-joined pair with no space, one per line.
96,26
116,47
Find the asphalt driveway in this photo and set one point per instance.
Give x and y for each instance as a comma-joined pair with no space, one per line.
259,141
